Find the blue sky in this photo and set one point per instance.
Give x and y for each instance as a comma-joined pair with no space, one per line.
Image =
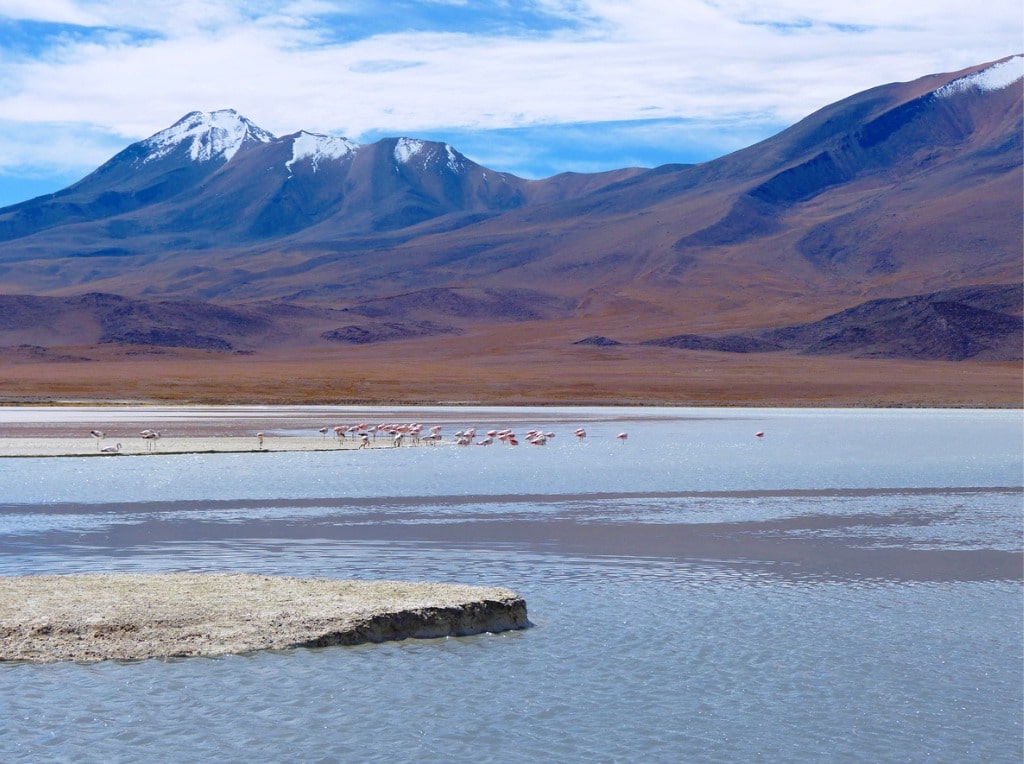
532,87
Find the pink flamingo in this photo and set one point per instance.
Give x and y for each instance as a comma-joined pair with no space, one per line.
622,436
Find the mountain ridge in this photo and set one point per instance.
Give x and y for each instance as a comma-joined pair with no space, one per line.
901,192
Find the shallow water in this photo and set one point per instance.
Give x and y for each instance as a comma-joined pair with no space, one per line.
846,588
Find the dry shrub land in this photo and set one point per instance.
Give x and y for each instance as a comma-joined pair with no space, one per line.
459,371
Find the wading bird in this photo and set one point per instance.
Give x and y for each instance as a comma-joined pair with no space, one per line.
151,437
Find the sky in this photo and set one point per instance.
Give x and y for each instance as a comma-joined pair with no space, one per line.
531,87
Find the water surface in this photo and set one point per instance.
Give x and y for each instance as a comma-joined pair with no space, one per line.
847,587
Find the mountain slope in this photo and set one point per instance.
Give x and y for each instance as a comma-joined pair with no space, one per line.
985,323
906,189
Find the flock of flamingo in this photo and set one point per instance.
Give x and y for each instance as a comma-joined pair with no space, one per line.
414,433
399,434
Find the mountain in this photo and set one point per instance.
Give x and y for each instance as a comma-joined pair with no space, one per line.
906,192
217,180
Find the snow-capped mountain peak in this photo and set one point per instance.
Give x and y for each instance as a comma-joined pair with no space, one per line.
1000,75
209,135
407,148
317,148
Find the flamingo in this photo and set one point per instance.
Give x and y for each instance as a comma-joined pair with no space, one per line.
99,435
259,440
364,440
150,436
396,441
485,441
111,449
323,431
759,434
581,433
622,436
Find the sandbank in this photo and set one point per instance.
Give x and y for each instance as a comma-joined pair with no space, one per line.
137,616
205,444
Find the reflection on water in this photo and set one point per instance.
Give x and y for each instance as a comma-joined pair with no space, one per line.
849,588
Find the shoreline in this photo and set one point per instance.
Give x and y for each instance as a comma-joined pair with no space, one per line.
57,447
49,403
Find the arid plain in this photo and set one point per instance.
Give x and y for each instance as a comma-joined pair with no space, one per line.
493,370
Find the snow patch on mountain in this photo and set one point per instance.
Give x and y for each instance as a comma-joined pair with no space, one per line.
456,162
209,135
995,77
318,148
407,148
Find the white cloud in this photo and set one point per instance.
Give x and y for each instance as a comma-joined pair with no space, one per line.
307,65
57,11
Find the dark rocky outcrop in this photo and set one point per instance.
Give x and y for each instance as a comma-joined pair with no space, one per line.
952,325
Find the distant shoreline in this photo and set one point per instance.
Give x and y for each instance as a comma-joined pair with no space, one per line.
132,445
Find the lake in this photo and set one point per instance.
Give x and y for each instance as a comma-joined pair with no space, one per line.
845,587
